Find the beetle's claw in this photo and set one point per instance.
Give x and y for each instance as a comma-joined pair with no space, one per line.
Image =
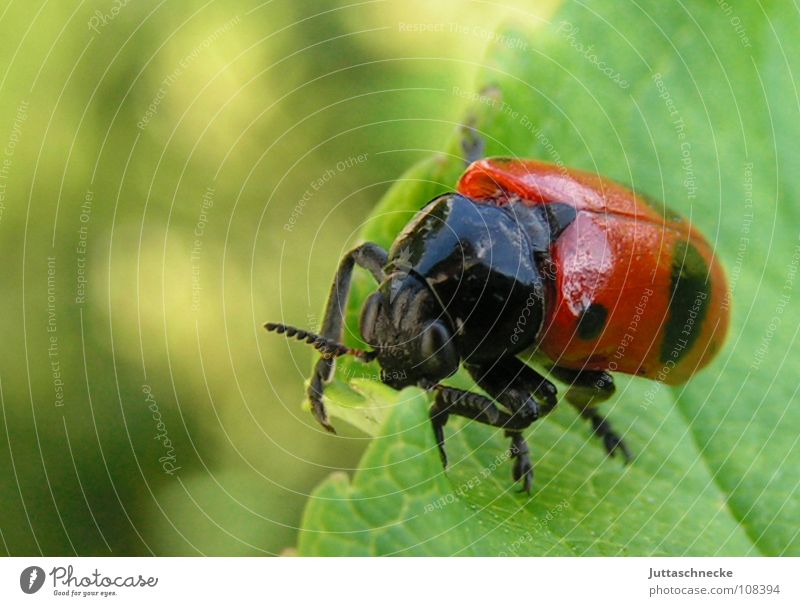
321,415
523,468
438,421
442,455
615,444
611,439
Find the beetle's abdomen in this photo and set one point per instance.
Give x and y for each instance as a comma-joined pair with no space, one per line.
634,296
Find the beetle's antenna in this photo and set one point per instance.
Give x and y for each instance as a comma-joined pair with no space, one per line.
328,347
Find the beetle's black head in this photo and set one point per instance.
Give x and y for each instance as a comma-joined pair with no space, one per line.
408,329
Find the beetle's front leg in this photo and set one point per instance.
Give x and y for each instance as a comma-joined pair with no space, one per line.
518,387
372,258
450,400
480,408
524,392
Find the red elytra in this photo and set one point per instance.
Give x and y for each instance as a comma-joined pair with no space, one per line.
637,289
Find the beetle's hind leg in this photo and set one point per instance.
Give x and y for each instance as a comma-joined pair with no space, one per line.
587,388
472,143
611,439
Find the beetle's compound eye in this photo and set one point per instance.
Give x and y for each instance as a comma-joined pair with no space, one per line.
438,350
434,339
369,317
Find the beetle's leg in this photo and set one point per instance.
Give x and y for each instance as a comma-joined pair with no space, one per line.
523,468
587,389
475,406
611,439
516,386
450,400
523,391
472,143
372,258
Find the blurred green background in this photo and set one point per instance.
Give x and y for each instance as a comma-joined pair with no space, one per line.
171,176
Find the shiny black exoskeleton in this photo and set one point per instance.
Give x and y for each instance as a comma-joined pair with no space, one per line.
457,281
464,283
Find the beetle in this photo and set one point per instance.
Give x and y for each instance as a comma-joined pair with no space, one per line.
528,257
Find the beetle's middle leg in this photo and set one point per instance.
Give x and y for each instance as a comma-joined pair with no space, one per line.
587,389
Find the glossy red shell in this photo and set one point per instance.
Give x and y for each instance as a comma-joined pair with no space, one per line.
623,263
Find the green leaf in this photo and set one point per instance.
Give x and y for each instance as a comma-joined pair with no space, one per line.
696,105
402,502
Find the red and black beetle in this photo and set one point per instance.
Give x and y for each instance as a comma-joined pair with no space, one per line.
528,256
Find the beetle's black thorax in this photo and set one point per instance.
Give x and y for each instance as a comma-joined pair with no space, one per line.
481,261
